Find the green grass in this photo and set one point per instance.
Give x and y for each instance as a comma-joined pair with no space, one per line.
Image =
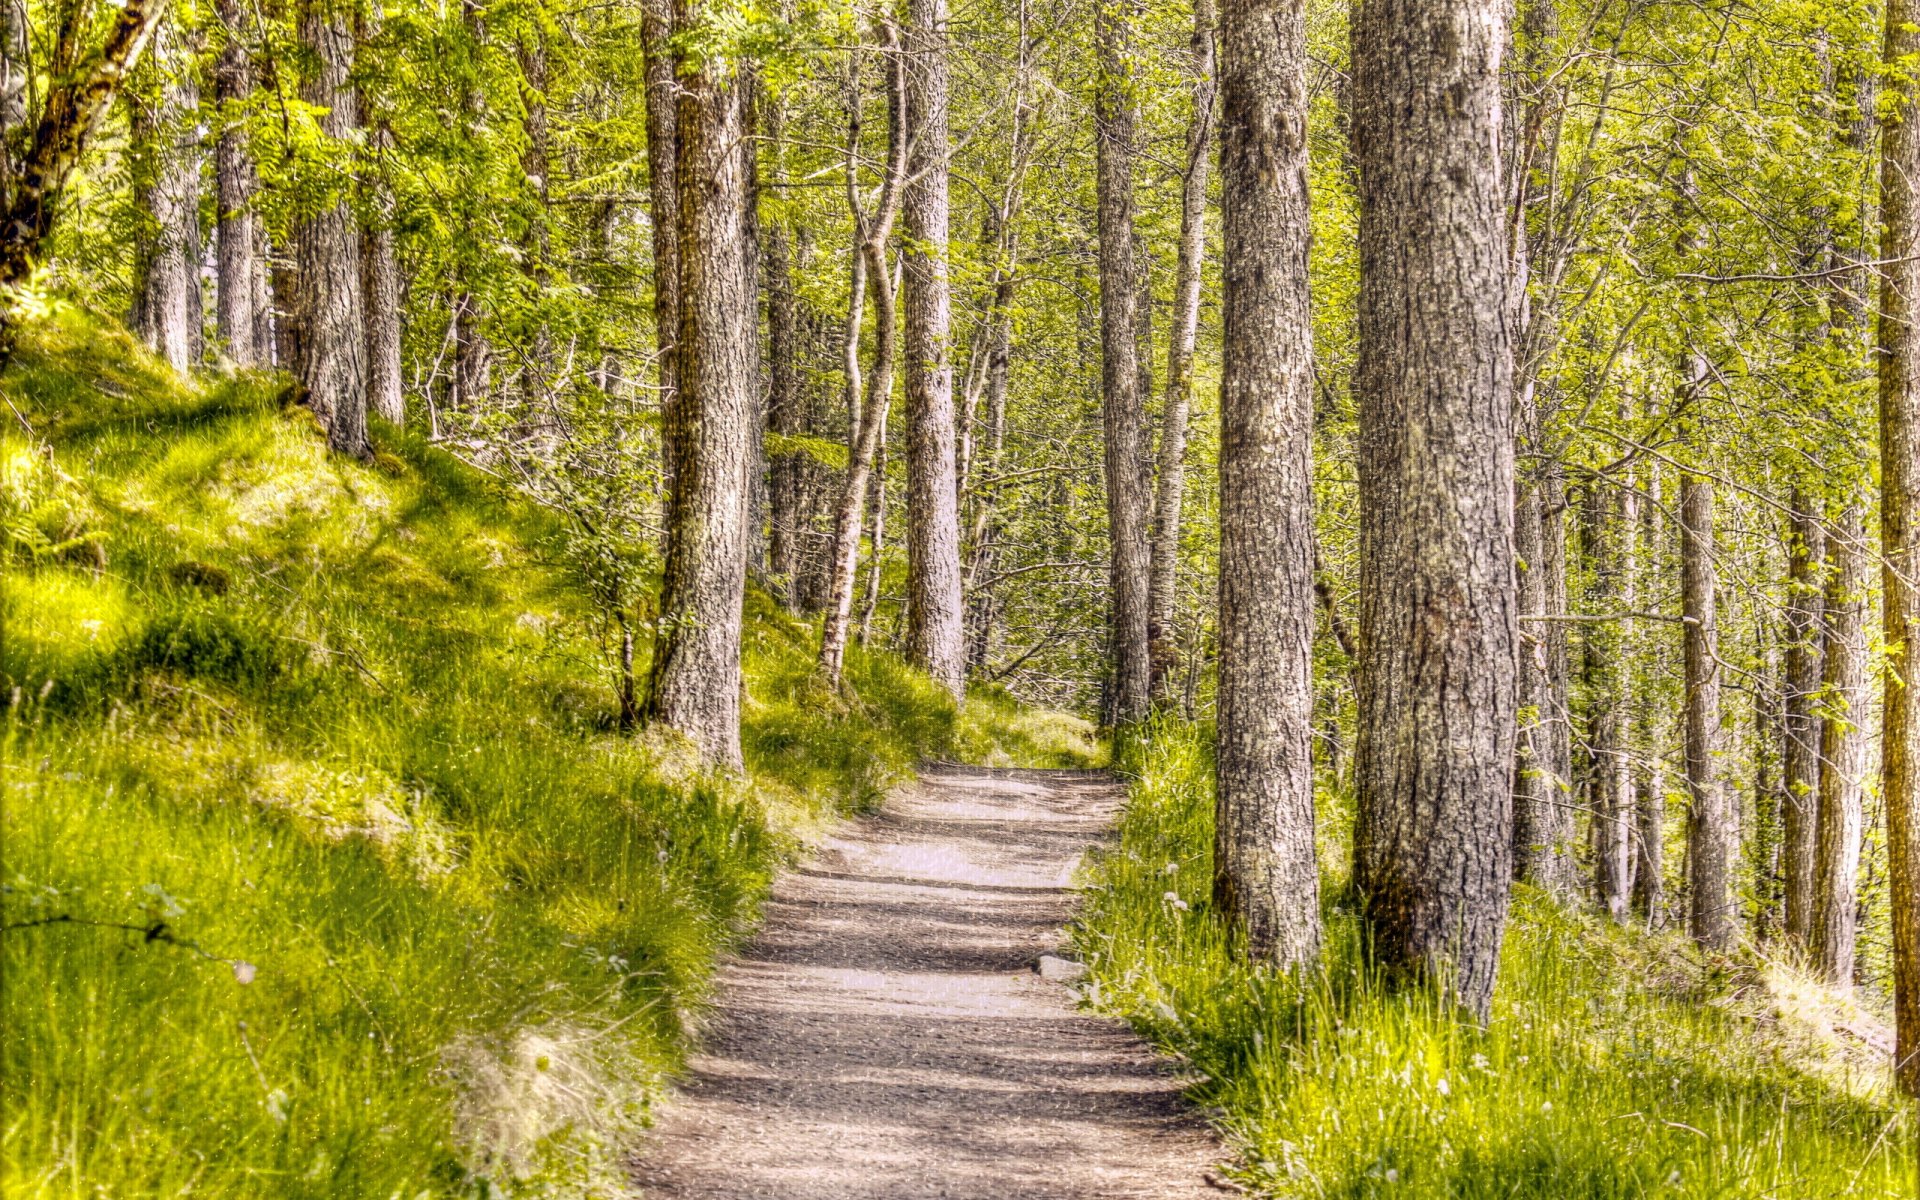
1615,1065
408,918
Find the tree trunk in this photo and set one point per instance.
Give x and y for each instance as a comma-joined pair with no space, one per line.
1900,537
1171,481
936,631
1543,835
1433,851
14,59
656,25
472,348
1609,525
786,400
386,393
380,271
68,117
1843,751
332,321
1710,833
695,681
1124,416
1650,785
1798,726
1266,879
166,189
868,394
235,182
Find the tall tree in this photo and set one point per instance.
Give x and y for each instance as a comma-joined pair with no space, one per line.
1900,534
1266,879
1610,522
84,84
237,227
1710,833
663,193
167,311
1843,750
380,261
332,318
936,633
1171,476
786,398
1799,724
868,393
695,681
1123,412
1433,852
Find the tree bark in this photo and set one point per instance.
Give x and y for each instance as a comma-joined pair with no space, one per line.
869,393
72,109
1433,853
380,266
786,401
936,634
1543,835
14,58
656,26
1710,833
695,679
236,290
1799,727
167,311
1650,785
332,321
1843,751
1171,480
1123,412
1900,536
1609,524
380,269
472,349
1266,879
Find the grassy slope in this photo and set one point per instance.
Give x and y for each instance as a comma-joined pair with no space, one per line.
343,730
1616,1064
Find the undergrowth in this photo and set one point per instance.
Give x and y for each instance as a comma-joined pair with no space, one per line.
1617,1064
325,871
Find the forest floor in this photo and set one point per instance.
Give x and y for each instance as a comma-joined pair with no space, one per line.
887,1035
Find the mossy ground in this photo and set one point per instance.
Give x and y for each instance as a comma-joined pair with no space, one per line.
1617,1064
352,887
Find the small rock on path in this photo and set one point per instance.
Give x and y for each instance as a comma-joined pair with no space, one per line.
886,1037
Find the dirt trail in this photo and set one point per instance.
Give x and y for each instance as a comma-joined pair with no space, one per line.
886,1036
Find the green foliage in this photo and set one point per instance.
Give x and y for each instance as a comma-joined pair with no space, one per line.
1615,1065
426,926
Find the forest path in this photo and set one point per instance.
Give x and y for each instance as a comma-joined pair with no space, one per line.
886,1037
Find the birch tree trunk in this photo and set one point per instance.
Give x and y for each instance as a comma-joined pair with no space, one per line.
1433,853
1171,478
1266,879
868,393
936,634
1124,416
